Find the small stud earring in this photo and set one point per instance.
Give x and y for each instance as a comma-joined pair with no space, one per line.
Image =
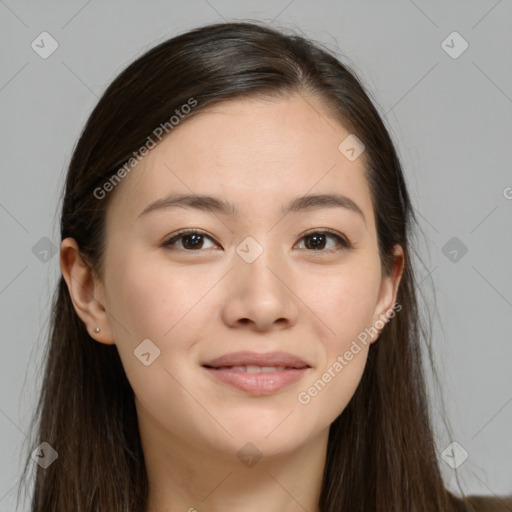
96,329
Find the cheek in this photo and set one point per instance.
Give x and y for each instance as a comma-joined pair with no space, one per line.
153,301
163,306
169,306
333,388
344,302
347,309
346,305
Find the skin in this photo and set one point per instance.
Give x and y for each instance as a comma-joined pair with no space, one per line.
198,304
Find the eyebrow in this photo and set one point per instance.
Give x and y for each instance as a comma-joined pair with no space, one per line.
223,206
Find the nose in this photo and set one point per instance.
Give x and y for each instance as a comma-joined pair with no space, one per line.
260,295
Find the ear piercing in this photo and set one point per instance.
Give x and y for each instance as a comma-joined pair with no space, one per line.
96,329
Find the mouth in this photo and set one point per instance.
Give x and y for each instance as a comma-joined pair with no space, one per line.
257,374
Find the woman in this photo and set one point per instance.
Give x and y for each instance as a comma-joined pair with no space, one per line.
236,325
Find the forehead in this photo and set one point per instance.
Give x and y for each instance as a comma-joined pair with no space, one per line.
258,153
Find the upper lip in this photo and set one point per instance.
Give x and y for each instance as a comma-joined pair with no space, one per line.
278,359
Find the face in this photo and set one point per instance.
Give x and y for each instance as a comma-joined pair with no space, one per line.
257,278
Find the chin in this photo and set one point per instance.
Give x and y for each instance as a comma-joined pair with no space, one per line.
277,433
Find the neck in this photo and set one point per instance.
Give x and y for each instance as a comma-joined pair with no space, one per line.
184,477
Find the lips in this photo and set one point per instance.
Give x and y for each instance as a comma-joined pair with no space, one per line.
248,359
257,374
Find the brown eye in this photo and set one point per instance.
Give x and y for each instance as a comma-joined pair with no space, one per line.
318,240
189,241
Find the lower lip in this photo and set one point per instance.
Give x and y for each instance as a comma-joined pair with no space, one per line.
261,383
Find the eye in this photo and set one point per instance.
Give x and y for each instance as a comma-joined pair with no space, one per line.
318,240
191,240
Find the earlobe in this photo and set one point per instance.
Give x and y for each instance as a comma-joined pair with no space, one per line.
84,290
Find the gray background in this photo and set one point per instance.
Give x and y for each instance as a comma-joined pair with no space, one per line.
450,117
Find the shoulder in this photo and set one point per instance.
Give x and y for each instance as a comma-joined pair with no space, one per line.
491,504
481,503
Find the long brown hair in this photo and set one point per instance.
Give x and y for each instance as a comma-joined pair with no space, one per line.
381,452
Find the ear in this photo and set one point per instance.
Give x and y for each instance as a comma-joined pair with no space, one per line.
86,292
388,292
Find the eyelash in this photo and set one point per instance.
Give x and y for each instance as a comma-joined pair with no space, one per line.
343,242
